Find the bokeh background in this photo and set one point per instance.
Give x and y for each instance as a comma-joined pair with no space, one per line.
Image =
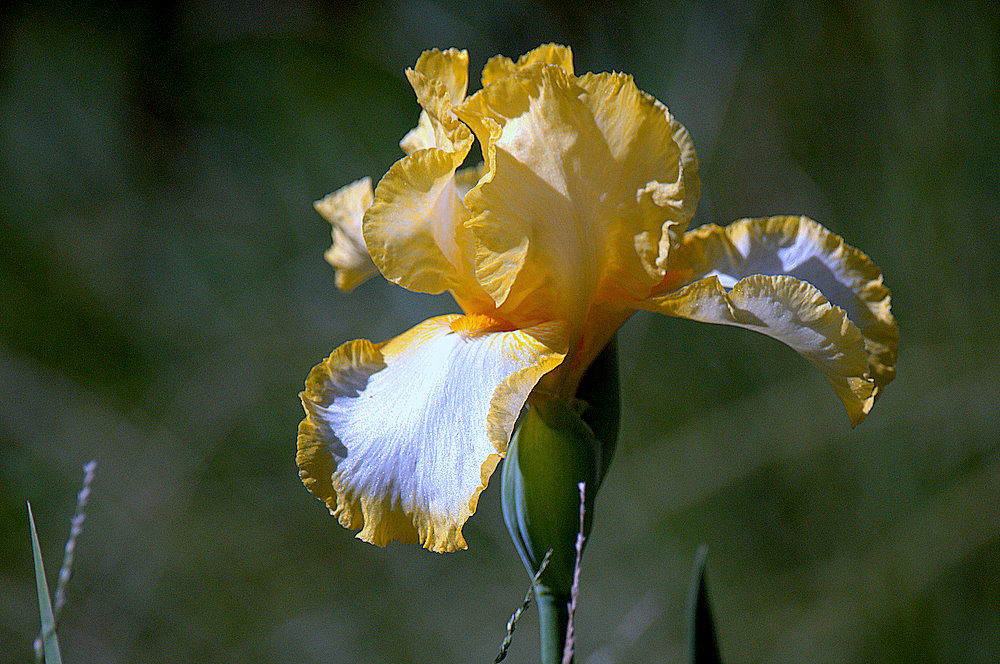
163,296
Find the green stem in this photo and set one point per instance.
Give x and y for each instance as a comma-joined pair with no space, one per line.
553,616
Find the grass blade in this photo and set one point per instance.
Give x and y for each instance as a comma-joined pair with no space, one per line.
50,642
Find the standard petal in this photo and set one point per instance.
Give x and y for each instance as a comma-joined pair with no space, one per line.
450,68
583,179
415,226
689,182
400,438
344,209
411,227
440,79
793,312
550,54
801,248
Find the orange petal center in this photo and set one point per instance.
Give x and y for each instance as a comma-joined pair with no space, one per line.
476,325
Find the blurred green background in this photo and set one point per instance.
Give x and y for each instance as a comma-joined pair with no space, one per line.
163,296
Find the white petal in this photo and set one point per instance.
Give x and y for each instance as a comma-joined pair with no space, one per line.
790,311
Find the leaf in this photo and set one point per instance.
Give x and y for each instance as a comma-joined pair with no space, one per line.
704,642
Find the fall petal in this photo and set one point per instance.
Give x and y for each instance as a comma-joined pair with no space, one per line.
790,311
400,438
801,248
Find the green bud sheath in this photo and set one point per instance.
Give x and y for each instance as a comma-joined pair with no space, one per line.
600,391
558,445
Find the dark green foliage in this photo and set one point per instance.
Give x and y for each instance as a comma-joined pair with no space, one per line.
704,641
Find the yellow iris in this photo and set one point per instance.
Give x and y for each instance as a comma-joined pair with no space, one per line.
577,219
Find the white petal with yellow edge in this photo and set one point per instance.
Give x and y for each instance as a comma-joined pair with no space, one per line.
790,311
801,248
400,438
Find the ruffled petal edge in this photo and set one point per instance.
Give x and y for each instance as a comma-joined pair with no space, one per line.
791,311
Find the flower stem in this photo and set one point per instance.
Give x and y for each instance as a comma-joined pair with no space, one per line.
553,616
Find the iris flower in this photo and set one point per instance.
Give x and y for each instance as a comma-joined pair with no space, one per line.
577,219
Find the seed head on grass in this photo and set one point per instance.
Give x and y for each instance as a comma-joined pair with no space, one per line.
46,644
574,592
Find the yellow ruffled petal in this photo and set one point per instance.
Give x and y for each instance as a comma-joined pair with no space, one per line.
400,438
412,229
666,204
440,79
583,180
449,68
344,209
811,279
550,54
689,183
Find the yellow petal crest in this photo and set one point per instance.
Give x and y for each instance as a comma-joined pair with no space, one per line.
452,399
344,209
